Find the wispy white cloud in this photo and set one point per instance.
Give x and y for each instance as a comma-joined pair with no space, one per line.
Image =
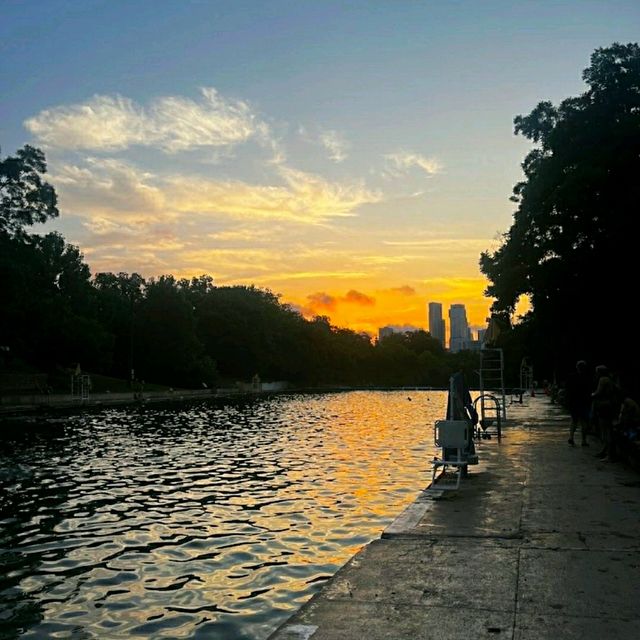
402,161
248,233
110,189
104,227
331,140
171,123
335,143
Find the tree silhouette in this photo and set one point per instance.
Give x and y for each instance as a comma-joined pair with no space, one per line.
573,242
24,197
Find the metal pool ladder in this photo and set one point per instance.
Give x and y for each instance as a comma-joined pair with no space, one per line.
492,380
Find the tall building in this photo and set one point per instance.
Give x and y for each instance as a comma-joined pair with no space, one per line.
460,333
384,332
436,322
475,345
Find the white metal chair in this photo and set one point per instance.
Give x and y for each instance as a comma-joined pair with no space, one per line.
452,436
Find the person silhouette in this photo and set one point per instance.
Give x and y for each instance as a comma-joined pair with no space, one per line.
578,401
605,408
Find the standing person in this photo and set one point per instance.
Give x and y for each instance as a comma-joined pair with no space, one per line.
578,400
627,430
605,401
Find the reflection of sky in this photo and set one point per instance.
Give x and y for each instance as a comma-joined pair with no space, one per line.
211,521
312,148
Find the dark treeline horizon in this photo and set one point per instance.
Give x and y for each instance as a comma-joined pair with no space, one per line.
178,332
185,332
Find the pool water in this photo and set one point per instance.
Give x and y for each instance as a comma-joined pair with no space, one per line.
215,520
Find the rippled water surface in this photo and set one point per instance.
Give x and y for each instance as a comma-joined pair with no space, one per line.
208,521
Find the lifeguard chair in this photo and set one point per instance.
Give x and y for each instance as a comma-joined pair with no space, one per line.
454,436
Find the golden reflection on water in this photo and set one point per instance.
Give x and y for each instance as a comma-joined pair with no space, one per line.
210,521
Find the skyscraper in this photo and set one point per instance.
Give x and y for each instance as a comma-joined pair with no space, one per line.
436,323
459,327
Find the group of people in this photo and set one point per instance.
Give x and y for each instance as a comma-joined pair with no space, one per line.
601,408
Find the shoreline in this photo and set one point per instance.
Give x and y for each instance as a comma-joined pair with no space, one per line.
539,542
38,404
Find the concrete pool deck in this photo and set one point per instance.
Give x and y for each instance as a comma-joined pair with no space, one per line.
541,541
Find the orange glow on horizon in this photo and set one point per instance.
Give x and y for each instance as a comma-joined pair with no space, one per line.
402,306
364,303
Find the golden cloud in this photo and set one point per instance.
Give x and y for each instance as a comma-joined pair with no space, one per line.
114,190
321,300
458,245
405,290
355,297
305,197
310,275
321,303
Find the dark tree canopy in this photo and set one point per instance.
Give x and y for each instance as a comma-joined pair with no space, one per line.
25,198
572,246
174,332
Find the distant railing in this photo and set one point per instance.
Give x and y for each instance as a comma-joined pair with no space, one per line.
23,383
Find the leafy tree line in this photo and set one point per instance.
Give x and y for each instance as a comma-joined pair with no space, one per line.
573,245
170,331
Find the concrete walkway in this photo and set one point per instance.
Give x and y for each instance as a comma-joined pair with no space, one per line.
541,541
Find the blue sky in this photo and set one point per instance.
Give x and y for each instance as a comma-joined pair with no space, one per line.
321,149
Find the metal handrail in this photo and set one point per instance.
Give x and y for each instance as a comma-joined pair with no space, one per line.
483,423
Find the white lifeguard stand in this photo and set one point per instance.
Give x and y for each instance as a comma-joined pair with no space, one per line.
454,436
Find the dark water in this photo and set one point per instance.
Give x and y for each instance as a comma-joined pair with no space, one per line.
208,521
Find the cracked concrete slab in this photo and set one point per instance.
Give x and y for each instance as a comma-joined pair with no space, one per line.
545,627
581,541
605,509
581,583
488,504
378,621
417,572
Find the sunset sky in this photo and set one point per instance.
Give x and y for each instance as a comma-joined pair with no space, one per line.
354,157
